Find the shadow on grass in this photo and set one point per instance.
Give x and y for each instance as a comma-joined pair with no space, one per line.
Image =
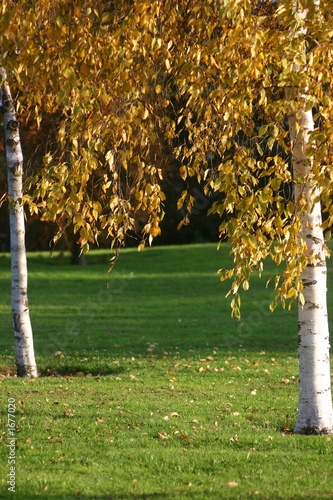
79,371
119,496
66,371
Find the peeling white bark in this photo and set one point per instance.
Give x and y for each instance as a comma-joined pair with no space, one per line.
315,414
315,401
25,358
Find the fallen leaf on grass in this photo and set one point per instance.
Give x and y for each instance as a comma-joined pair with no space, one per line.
232,484
54,438
185,436
162,435
233,438
69,413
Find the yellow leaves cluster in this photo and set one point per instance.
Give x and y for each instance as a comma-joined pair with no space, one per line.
134,87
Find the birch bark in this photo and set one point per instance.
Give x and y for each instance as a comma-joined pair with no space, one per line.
25,357
315,414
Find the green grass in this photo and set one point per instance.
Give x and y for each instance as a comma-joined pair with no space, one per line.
150,390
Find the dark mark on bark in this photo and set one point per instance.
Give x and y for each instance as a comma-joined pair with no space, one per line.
309,283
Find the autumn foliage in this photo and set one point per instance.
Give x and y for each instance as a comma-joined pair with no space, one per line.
131,86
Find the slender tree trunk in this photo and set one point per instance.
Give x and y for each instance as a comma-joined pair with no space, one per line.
25,357
315,414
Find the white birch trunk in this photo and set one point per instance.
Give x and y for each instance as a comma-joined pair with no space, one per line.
315,414
25,357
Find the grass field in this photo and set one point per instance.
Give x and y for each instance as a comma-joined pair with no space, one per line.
149,389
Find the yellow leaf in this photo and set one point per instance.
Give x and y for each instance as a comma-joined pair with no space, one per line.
155,231
85,69
246,285
145,114
183,172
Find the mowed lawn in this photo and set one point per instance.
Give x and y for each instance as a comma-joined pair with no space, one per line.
149,389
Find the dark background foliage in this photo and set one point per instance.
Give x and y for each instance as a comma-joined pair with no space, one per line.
39,234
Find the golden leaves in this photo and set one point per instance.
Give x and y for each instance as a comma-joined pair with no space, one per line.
126,92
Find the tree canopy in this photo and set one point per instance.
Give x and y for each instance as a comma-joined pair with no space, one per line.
129,86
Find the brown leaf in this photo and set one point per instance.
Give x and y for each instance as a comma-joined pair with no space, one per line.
185,436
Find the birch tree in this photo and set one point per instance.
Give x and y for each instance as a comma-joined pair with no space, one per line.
213,79
25,357
239,83
315,414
